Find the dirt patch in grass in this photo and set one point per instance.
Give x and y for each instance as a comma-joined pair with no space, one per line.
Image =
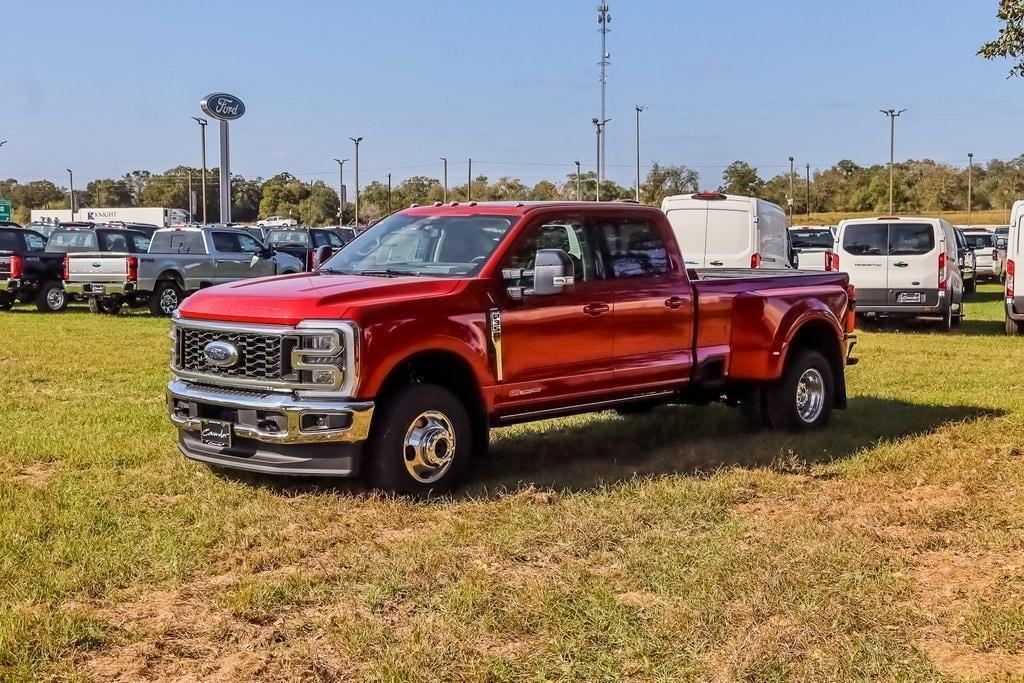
37,474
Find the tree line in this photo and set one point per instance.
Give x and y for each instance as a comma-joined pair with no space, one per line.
921,186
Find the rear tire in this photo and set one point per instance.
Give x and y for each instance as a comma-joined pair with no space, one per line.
108,307
165,299
946,324
802,399
51,297
421,441
753,407
971,286
1013,328
6,303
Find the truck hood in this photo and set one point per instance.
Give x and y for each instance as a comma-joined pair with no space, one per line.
288,299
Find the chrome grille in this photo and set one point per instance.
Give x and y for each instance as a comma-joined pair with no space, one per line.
260,356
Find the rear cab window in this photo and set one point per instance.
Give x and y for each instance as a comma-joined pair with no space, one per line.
72,240
889,239
811,239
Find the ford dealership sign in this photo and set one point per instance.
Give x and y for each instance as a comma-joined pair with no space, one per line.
223,106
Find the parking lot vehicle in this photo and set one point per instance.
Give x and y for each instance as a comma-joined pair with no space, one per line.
108,276
967,261
276,222
814,246
397,355
183,260
903,266
28,272
312,246
983,244
1014,292
715,230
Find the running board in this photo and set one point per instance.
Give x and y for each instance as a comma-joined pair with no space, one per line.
581,408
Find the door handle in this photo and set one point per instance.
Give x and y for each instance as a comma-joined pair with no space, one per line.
596,309
716,263
901,264
224,260
674,302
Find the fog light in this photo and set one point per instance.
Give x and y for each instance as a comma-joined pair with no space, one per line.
323,376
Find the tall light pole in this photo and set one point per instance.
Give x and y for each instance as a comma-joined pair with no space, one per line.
71,183
892,114
341,190
808,193
604,20
469,184
579,183
202,146
970,185
597,177
792,196
639,109
389,193
357,141
191,204
444,182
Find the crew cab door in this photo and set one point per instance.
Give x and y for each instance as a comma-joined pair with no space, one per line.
233,257
653,301
556,348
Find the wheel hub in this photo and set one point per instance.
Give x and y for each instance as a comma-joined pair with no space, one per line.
54,298
810,395
429,446
168,301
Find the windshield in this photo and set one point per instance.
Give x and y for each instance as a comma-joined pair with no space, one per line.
811,239
979,241
422,245
288,237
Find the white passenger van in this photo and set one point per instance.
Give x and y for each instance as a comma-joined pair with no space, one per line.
729,231
1015,261
902,266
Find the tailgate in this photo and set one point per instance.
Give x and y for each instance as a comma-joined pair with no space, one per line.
812,260
97,267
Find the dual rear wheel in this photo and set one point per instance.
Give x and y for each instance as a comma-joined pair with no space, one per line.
801,400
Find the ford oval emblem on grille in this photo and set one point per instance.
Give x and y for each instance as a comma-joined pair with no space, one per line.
220,354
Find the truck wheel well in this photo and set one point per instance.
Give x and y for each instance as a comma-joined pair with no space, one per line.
445,369
821,337
173,276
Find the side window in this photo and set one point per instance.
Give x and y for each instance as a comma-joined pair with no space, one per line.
634,248
113,241
319,238
226,243
334,240
568,235
141,243
35,242
248,245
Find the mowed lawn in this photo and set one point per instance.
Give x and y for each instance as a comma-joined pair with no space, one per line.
671,546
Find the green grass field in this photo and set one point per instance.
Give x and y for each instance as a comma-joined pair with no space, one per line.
671,546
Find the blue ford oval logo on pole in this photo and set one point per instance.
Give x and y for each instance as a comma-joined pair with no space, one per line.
222,106
220,354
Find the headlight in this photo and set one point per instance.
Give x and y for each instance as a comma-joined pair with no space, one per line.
327,355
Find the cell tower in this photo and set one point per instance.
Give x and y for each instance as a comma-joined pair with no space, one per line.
604,19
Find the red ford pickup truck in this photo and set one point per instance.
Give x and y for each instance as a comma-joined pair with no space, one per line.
396,356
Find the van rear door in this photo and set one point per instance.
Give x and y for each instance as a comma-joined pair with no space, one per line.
913,263
730,234
689,220
864,254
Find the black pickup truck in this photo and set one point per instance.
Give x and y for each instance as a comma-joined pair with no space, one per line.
312,246
28,273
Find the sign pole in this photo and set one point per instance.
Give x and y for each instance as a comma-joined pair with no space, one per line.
225,174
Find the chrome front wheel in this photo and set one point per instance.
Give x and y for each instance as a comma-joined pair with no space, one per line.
429,446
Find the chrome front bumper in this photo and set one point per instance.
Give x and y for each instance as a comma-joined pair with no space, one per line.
272,418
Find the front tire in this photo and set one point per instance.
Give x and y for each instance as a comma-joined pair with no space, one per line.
51,297
165,299
421,441
802,400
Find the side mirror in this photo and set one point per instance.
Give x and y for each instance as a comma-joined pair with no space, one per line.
254,260
1001,243
552,273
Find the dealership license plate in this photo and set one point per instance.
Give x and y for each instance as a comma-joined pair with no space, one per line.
97,289
215,433
910,298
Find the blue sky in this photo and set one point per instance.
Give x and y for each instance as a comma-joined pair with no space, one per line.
109,87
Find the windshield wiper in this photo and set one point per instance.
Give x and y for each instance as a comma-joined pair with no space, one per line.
386,272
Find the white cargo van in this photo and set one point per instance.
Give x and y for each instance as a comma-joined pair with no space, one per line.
729,231
902,266
1014,262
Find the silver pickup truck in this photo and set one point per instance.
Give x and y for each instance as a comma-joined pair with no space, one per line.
179,262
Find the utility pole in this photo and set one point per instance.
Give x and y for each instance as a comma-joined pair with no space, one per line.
638,110
71,183
444,163
892,114
604,19
341,190
202,145
808,193
357,141
970,185
191,207
469,184
597,193
389,194
792,196
579,183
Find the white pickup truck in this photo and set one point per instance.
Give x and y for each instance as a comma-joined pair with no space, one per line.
107,273
179,261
